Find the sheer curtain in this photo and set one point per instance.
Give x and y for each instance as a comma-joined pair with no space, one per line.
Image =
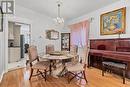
79,33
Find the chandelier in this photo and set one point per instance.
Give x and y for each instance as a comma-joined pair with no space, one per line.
59,19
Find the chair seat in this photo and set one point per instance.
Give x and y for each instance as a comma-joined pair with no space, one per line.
70,63
42,65
75,67
107,63
119,65
113,64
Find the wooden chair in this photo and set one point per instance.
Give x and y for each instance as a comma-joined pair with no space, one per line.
74,53
73,49
41,66
49,48
76,68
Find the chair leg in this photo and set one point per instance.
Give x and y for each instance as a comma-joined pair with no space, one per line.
68,78
27,61
37,70
103,70
110,69
31,74
123,76
45,74
88,65
85,76
50,67
73,77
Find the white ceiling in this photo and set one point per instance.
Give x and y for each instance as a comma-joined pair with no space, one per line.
69,10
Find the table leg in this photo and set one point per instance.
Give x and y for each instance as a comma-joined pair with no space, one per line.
50,67
88,61
63,70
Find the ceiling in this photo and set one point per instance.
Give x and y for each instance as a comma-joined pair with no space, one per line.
69,10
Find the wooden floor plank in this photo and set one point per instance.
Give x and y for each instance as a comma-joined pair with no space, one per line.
19,78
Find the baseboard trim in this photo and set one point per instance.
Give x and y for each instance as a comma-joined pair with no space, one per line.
1,76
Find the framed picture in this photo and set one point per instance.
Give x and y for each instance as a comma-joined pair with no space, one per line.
113,22
52,34
1,20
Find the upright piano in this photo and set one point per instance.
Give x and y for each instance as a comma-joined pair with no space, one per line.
117,50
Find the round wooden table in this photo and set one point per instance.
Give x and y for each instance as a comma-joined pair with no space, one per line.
53,57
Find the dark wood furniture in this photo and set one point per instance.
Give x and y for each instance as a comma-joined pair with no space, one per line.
107,65
65,41
116,50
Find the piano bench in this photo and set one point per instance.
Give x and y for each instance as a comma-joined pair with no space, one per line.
111,65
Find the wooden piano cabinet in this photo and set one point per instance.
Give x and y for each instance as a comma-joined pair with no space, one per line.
121,45
97,63
111,44
128,70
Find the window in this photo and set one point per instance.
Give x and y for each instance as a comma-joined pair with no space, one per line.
79,33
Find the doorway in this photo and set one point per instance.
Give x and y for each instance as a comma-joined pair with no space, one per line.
19,39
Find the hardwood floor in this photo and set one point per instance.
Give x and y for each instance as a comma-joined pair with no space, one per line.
19,78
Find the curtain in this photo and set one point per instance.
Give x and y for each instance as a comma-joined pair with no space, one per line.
80,33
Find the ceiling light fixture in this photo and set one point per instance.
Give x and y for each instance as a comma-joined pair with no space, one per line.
59,19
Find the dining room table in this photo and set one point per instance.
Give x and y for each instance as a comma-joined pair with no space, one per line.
55,56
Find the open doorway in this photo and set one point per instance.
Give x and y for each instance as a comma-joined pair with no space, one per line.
19,39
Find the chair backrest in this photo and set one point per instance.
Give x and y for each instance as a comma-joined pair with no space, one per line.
74,52
33,55
85,53
49,48
73,49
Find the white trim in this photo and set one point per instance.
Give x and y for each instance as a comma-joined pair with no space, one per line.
14,19
1,76
18,19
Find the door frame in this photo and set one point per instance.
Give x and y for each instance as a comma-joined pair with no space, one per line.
6,21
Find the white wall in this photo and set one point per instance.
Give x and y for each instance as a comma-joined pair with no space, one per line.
39,24
2,53
95,24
